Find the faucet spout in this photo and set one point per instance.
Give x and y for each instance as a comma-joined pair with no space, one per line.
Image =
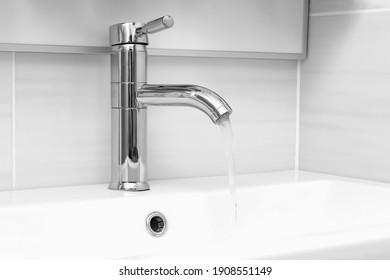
185,95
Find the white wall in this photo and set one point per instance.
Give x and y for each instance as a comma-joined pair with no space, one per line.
346,6
6,119
56,118
228,25
55,108
345,90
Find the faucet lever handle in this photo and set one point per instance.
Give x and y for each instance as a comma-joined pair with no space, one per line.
156,25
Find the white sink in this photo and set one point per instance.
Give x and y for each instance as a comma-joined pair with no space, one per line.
281,215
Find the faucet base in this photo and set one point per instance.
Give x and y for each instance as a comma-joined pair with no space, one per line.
129,186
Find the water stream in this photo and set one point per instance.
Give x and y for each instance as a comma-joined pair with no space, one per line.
227,134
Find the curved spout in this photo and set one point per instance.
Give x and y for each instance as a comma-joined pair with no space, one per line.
185,95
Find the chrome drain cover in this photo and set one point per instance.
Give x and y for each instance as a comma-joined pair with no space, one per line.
156,224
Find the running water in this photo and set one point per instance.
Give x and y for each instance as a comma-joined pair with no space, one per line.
227,134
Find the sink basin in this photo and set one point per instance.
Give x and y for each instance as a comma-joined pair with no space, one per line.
281,215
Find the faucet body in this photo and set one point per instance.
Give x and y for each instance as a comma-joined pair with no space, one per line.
128,118
131,95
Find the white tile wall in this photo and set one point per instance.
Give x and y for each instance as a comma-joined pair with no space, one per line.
183,142
5,120
321,6
62,119
345,95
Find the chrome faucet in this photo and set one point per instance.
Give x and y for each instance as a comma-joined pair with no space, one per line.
131,95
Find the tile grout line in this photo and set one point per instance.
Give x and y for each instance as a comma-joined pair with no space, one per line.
13,91
298,119
350,12
94,50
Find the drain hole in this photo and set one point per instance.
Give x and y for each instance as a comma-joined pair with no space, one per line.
156,224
